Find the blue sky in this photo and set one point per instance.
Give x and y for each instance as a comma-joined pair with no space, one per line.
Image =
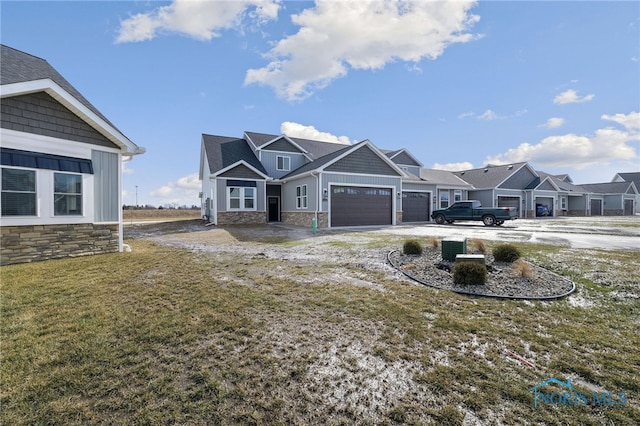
459,84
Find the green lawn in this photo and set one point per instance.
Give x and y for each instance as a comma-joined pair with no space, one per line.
165,336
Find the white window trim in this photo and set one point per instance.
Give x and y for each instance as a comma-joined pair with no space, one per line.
457,195
302,197
285,167
35,191
440,199
242,199
54,193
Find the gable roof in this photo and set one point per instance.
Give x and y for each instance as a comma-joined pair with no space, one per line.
312,148
223,152
323,162
611,188
402,154
443,177
22,73
630,177
558,182
491,176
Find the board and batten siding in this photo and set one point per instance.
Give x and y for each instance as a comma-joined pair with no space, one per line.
106,186
289,194
269,161
39,113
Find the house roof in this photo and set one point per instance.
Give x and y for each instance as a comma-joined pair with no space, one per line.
223,151
322,161
18,68
489,176
631,177
314,149
442,177
558,181
610,187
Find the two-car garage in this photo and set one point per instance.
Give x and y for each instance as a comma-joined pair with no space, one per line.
360,206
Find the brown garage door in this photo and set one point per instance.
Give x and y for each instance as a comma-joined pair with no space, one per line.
511,202
415,207
355,206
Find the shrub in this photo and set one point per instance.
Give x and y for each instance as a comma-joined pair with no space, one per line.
469,273
434,242
506,253
522,269
479,245
412,247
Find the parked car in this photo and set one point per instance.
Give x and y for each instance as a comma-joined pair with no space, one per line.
473,210
542,210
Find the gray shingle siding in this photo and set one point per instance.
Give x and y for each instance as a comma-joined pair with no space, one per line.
362,161
40,114
519,180
546,187
281,145
241,172
405,159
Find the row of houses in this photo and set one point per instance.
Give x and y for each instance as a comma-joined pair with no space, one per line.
61,177
261,178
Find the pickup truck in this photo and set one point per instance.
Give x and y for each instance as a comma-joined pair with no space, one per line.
473,210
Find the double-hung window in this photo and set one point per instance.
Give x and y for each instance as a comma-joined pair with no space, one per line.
283,163
67,194
301,197
18,192
444,199
457,195
241,198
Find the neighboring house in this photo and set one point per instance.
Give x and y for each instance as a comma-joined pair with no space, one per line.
612,198
630,177
559,195
61,166
263,178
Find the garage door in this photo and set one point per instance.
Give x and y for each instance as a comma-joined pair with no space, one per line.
544,202
355,206
628,207
415,207
596,207
512,203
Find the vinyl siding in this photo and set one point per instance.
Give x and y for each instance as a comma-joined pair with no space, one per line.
241,172
289,194
221,195
282,145
405,160
363,161
40,114
269,161
106,186
519,180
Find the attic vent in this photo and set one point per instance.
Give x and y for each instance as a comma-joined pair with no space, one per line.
486,170
510,167
462,173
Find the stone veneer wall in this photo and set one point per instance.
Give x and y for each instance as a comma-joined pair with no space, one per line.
304,219
575,212
613,212
398,218
30,243
241,218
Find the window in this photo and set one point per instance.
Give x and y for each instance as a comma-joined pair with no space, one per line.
301,197
241,198
18,192
67,194
457,195
563,203
283,163
444,199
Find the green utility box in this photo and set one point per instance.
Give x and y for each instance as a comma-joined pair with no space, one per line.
452,247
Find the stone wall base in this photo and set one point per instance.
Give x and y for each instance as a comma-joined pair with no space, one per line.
242,218
31,243
304,219
613,212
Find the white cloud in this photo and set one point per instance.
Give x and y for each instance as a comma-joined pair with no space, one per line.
335,36
553,123
301,131
466,115
605,146
629,121
453,167
489,115
571,97
183,191
200,19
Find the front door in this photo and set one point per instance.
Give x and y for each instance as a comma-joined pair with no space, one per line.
274,209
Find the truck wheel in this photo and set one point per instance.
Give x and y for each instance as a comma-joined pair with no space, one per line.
488,220
439,219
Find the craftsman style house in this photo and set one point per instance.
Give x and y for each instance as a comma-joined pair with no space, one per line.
61,166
